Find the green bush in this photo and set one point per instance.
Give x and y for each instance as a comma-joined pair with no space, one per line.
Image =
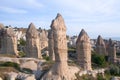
100,77
21,54
47,58
114,70
10,64
99,60
22,42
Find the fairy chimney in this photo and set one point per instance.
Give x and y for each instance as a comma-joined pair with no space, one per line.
59,70
83,49
33,48
43,39
8,42
100,46
111,51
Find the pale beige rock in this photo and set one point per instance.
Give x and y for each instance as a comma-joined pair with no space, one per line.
30,65
60,70
111,51
43,39
100,46
11,76
8,42
1,78
33,48
83,49
1,26
51,45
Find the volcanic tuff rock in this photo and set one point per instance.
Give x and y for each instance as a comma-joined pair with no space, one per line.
43,39
60,70
51,45
83,49
111,51
100,46
1,30
33,48
8,41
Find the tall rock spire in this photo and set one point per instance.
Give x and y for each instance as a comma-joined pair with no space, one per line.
60,70
111,51
33,48
100,46
83,49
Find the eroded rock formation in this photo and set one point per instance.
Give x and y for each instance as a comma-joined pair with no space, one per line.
59,70
43,39
33,48
100,46
8,41
83,49
111,51
51,45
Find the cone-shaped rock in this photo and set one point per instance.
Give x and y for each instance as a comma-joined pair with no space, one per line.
100,46
43,39
59,71
33,48
51,45
83,49
8,41
111,51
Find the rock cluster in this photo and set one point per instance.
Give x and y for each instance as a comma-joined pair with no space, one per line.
83,49
100,46
8,41
33,46
59,71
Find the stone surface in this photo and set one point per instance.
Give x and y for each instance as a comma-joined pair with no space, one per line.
51,45
43,39
111,51
83,49
1,30
33,48
59,70
20,76
100,46
28,65
8,42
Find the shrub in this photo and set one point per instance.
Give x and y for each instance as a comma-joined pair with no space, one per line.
10,64
99,60
22,42
114,70
21,54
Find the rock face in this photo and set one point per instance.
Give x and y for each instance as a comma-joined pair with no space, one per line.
1,30
43,39
59,71
33,48
100,46
51,45
83,49
8,41
111,52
